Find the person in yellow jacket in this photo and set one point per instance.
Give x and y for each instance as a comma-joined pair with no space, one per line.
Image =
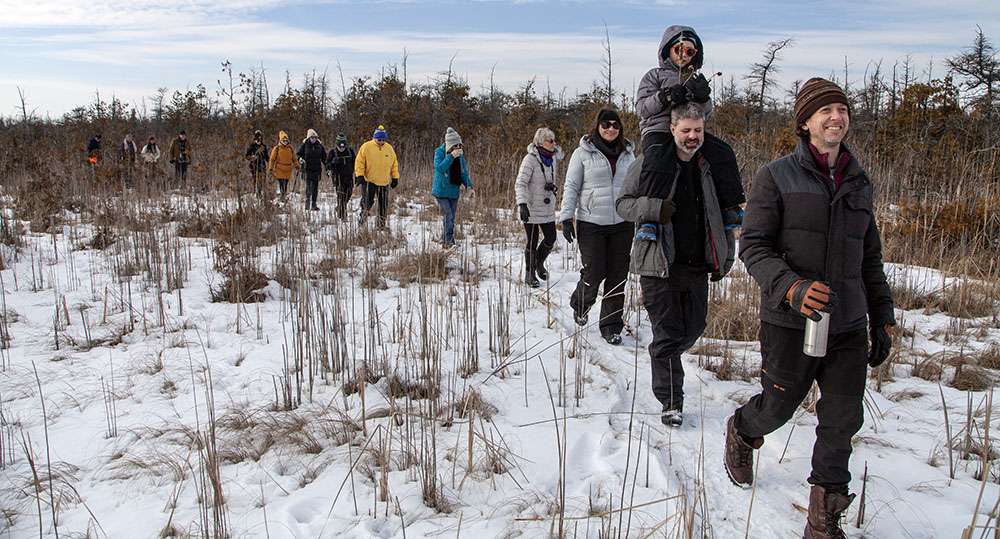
375,169
282,163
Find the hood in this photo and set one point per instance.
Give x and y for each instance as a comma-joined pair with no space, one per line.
663,57
283,135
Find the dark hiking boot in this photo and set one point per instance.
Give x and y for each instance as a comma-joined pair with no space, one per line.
672,415
612,338
580,319
540,255
739,455
529,271
825,510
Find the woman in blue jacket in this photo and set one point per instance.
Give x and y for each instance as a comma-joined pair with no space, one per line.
450,174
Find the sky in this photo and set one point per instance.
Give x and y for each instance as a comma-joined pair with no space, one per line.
61,54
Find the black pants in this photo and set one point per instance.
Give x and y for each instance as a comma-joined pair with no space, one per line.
369,192
677,307
786,378
282,187
312,189
181,172
345,187
548,231
605,252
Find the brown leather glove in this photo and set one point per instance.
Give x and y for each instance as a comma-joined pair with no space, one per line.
667,209
808,298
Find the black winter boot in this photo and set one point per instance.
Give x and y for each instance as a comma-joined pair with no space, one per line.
540,255
825,510
529,270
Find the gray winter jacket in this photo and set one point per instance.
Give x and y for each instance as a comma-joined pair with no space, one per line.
654,258
590,191
653,116
797,227
530,186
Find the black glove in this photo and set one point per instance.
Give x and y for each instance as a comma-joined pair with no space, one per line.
667,209
809,298
394,183
525,214
569,231
358,180
881,344
673,96
716,276
700,90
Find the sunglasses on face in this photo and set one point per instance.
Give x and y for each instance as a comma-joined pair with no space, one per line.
284,140
550,141
611,124
680,50
313,137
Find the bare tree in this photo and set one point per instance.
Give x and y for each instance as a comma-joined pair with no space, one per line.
979,68
762,72
608,90
23,96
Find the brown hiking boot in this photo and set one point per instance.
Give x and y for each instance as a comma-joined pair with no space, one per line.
825,510
739,456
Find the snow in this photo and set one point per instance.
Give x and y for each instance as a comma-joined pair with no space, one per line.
125,423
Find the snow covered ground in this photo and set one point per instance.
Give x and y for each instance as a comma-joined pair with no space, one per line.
165,413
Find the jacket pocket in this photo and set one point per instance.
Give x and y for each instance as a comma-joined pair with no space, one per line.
647,259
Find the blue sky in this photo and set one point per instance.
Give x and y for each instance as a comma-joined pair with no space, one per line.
61,53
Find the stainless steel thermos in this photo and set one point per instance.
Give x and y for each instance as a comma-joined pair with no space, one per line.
814,342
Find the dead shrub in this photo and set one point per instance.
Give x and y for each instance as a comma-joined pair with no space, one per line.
354,384
733,311
970,378
909,298
989,358
414,390
242,281
473,400
969,299
427,266
928,369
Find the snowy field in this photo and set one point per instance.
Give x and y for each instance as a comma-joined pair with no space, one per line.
468,406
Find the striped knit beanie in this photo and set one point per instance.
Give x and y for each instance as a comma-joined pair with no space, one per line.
815,94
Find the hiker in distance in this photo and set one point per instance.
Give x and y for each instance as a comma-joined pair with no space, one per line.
811,242
376,170
311,155
535,192
340,168
450,174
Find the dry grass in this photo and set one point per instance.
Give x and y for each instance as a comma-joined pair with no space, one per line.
425,266
971,378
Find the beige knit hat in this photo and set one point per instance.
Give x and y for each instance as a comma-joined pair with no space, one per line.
451,138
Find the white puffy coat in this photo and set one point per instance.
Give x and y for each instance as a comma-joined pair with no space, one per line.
590,191
530,186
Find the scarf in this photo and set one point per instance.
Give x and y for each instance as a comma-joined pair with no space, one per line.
455,172
545,156
612,152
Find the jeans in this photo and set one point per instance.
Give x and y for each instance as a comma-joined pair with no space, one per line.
448,208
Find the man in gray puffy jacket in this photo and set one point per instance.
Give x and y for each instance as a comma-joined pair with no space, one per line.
811,242
670,189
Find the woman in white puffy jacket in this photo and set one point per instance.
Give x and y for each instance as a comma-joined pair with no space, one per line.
535,189
593,179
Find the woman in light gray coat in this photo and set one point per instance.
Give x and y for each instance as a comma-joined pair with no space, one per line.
535,189
594,178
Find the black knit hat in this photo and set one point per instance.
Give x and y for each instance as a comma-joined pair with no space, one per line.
814,95
608,114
